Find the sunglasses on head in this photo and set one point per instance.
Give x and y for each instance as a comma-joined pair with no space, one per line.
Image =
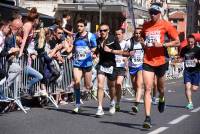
103,30
153,12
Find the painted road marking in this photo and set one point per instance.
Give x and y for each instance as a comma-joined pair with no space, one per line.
179,119
171,82
159,130
196,110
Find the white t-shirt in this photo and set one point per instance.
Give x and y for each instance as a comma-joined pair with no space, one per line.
120,60
137,59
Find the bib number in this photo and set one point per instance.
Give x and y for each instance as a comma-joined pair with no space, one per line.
108,70
81,56
152,38
190,63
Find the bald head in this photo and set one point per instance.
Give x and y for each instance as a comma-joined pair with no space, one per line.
16,25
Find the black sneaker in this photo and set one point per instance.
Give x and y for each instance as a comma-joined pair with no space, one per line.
135,109
161,105
147,123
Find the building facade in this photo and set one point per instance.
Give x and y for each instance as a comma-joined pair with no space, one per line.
193,15
114,12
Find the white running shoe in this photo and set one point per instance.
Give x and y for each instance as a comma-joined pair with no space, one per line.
155,100
112,109
43,93
99,112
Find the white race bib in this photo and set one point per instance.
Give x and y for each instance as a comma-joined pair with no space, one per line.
137,58
190,63
119,61
108,70
81,55
152,38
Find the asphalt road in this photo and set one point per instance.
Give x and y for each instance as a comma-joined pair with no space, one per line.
175,120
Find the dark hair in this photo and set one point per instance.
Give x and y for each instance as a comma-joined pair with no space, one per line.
191,36
68,27
102,24
4,23
82,21
58,21
65,14
119,28
58,27
32,14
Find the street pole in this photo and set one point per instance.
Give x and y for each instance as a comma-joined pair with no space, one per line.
100,3
100,14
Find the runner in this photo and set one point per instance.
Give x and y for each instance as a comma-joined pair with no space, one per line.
84,46
121,67
135,66
106,67
155,61
190,54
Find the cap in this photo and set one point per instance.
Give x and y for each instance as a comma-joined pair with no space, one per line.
156,7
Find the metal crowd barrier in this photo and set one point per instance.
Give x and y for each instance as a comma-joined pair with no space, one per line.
20,82
175,70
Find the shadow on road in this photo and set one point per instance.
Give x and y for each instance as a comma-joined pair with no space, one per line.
175,106
134,126
71,112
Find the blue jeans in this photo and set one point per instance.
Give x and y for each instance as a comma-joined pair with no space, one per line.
35,76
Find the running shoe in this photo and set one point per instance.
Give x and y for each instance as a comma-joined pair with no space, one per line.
112,109
135,109
43,93
76,110
154,101
99,112
161,105
190,106
147,123
117,108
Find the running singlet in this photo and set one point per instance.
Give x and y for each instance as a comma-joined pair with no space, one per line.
156,56
120,60
82,50
190,56
136,60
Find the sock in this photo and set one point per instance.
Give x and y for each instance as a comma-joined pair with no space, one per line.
147,117
77,96
113,102
136,103
100,107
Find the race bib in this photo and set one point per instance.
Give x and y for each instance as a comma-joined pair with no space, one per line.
81,52
81,55
119,61
138,57
190,63
108,70
152,38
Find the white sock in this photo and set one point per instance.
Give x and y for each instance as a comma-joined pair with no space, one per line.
113,102
100,107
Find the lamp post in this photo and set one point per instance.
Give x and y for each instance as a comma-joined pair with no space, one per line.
100,3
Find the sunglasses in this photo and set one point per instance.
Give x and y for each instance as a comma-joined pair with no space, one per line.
60,33
104,30
153,12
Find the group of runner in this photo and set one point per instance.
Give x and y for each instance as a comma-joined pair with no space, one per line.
144,55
